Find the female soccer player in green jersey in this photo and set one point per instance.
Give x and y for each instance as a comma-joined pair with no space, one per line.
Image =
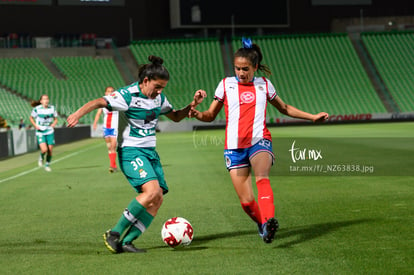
140,104
44,119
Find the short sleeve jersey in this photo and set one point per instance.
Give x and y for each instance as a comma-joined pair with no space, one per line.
44,117
110,118
245,110
139,115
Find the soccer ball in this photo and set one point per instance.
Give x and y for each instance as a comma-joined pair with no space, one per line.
176,232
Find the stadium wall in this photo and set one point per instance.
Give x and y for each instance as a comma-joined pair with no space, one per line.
16,141
4,144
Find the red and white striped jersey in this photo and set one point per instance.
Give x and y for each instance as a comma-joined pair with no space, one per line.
245,109
110,119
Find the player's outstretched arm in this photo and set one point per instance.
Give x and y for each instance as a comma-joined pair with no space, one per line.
178,115
291,111
208,115
73,119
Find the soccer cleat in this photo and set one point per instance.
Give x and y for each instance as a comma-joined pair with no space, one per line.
48,169
111,240
269,230
40,162
129,247
260,229
113,169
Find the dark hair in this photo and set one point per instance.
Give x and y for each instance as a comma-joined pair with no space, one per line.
153,70
34,103
109,88
255,56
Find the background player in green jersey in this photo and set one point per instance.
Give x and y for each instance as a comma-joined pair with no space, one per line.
44,119
140,104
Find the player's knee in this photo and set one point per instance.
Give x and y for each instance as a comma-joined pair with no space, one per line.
156,200
154,196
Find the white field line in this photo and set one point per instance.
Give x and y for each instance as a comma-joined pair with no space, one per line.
55,161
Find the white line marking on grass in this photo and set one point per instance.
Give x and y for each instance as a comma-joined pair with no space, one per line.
37,168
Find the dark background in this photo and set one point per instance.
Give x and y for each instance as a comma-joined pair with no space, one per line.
150,19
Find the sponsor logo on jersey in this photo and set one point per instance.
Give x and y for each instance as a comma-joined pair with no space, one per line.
247,97
137,103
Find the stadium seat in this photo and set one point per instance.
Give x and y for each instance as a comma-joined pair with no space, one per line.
318,73
193,64
393,56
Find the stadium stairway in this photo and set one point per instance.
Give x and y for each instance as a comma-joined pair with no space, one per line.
393,55
29,76
373,74
51,67
316,73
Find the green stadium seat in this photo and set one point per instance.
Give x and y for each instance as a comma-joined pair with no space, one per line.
193,64
318,73
393,56
86,79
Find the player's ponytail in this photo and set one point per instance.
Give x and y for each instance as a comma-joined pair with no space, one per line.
155,60
253,53
153,70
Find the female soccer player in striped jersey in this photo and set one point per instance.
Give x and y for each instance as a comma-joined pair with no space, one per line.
140,104
248,143
44,119
110,130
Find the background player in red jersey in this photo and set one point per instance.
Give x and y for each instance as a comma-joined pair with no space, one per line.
110,130
248,143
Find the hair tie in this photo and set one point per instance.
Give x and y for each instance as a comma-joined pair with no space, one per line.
247,43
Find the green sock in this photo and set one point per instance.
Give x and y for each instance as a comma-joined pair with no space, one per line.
143,222
48,158
42,156
129,216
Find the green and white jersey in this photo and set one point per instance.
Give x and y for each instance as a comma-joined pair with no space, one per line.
44,117
138,116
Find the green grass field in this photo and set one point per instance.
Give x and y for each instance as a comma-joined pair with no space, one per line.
52,223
